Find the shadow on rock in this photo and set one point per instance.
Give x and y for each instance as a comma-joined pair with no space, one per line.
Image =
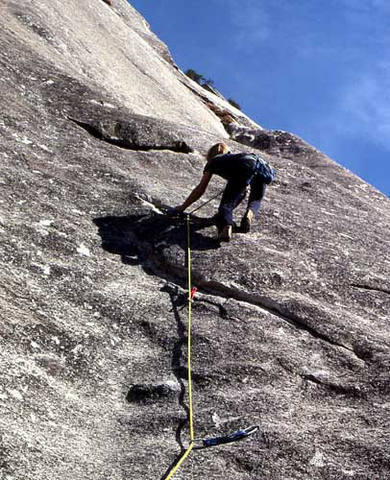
177,355
138,238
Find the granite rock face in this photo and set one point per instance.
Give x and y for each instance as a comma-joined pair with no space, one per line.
100,132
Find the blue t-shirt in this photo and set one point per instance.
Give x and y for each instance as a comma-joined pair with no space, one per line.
232,166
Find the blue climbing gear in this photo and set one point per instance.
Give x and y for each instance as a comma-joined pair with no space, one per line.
211,442
262,169
233,437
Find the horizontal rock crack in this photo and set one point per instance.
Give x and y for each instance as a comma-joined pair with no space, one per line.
126,143
176,274
153,259
271,307
350,390
368,287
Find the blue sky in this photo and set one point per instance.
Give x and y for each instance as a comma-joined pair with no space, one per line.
318,69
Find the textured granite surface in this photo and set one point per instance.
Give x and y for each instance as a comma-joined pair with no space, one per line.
99,133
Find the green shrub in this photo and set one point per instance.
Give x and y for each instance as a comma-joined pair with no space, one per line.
234,103
197,77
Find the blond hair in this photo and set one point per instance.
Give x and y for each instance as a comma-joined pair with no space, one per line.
217,149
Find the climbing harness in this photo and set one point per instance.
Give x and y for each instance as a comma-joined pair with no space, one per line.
238,435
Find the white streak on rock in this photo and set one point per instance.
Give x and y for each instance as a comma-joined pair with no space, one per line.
83,250
318,459
15,394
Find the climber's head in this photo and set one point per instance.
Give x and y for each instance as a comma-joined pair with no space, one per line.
217,149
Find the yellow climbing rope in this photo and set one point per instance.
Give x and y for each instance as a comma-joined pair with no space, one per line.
189,328
191,410
210,442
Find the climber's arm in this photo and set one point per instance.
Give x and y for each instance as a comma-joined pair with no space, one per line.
196,193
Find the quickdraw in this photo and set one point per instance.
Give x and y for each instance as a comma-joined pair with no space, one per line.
236,436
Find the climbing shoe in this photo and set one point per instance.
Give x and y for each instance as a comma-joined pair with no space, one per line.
246,221
225,233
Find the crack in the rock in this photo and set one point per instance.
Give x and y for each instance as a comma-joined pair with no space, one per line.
152,260
334,387
219,289
368,287
177,147
271,307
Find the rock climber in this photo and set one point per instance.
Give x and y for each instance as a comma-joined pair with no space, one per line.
240,170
